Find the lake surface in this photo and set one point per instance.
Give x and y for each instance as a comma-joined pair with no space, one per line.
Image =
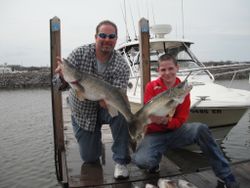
26,139
27,145
237,143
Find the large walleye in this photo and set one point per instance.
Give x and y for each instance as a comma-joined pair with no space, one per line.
164,104
92,88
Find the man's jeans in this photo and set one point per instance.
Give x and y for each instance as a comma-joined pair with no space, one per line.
90,144
153,146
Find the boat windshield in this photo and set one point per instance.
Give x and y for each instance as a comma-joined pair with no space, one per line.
186,62
185,59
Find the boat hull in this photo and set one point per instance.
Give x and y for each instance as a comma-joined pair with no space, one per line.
217,116
212,116
219,120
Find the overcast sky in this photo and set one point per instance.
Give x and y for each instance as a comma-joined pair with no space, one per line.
220,29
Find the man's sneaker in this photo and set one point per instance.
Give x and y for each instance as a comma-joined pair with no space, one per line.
154,170
121,171
228,182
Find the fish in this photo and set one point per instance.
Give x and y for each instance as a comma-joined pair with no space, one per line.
174,183
87,86
179,183
150,186
163,104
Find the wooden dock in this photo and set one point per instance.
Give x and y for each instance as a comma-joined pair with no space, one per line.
179,164
71,171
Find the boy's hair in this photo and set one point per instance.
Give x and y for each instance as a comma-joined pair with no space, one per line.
165,57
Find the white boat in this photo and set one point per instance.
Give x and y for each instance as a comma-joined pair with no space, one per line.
219,107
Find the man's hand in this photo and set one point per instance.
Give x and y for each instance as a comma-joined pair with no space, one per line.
103,104
58,80
158,119
58,68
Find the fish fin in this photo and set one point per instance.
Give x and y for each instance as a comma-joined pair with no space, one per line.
132,144
145,129
171,114
112,111
80,95
79,91
124,95
135,129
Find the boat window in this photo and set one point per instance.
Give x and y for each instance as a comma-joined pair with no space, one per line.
185,61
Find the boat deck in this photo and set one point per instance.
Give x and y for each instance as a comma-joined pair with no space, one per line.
176,165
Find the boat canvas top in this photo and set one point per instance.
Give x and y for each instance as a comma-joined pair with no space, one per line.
158,44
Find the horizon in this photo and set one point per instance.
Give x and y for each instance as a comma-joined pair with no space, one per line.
48,66
220,33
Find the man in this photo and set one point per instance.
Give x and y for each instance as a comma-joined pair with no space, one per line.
165,133
102,60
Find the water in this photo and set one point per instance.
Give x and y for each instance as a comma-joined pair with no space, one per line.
237,143
26,138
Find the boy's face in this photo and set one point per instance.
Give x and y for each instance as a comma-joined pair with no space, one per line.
167,70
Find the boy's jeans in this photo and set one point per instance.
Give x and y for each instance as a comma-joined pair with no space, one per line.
153,146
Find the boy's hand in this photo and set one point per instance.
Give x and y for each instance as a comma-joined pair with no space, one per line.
158,119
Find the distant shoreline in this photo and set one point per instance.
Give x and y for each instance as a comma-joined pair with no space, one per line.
21,80
41,78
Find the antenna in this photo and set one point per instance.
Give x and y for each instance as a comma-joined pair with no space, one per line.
153,12
182,14
125,21
138,9
147,9
132,20
176,30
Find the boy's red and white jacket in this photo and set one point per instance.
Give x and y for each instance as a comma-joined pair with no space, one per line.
155,87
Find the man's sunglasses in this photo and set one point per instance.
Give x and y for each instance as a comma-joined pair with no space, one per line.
104,35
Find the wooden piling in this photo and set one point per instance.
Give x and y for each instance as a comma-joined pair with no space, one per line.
145,56
55,50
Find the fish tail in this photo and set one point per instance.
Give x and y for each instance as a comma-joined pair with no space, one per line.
134,127
132,144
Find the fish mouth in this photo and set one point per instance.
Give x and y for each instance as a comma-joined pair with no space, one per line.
71,74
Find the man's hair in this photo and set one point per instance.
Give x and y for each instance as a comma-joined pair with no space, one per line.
106,22
165,57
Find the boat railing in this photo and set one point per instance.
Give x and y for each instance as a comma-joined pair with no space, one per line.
234,72
132,63
196,60
128,61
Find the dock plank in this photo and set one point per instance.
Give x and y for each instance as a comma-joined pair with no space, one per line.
80,174
101,174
